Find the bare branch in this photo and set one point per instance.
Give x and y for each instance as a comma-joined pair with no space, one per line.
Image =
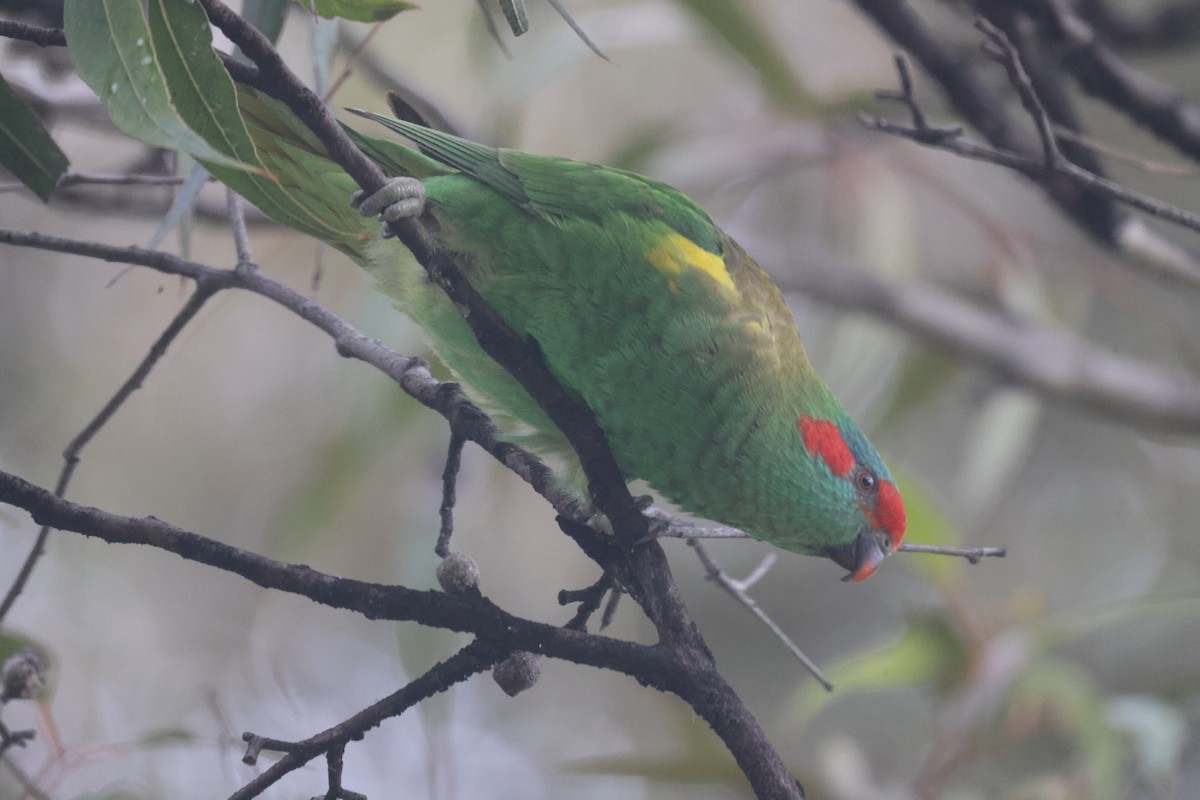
1171,24
972,554
449,481
738,591
1036,169
43,37
1145,100
411,374
1003,52
1054,364
471,660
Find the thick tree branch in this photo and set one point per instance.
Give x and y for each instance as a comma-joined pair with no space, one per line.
1054,364
1174,23
1090,203
1145,100
675,668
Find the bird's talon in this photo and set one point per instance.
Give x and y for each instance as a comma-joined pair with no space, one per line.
399,198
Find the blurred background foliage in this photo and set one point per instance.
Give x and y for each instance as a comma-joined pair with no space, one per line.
1069,670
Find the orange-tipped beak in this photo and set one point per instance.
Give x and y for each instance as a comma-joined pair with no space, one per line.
863,555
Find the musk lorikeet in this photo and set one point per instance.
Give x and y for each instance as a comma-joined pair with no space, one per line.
676,340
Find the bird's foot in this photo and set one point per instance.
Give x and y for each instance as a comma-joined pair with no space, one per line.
400,198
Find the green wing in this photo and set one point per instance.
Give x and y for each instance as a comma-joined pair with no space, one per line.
553,187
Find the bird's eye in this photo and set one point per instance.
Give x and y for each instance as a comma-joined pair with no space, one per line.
865,479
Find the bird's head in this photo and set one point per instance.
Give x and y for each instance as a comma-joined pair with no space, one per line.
860,496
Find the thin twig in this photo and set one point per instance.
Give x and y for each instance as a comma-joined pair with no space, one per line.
449,481
971,554
1035,168
1004,53
737,590
1147,101
71,454
43,37
470,660
977,102
589,600
411,374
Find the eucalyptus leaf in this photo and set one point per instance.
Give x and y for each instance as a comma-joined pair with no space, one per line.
26,148
110,44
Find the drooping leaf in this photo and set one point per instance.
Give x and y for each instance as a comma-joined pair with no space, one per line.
110,44
26,148
363,10
185,198
208,101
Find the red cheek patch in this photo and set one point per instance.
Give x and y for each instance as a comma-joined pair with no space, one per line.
822,438
889,512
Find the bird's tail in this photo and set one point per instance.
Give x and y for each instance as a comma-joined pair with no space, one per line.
304,188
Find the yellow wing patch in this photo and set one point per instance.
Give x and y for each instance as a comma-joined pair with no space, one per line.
675,254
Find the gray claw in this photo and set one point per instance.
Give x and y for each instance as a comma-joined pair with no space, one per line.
399,198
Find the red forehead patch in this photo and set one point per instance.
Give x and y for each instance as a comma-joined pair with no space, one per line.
889,512
822,438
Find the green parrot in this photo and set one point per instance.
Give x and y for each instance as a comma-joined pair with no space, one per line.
642,307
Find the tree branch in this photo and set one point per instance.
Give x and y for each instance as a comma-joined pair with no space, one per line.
476,657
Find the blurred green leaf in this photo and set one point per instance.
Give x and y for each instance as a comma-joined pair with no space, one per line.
26,148
736,24
363,10
929,653
111,47
927,525
165,737
266,15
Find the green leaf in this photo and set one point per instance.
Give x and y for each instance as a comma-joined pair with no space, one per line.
363,10
110,43
26,149
207,100
929,652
